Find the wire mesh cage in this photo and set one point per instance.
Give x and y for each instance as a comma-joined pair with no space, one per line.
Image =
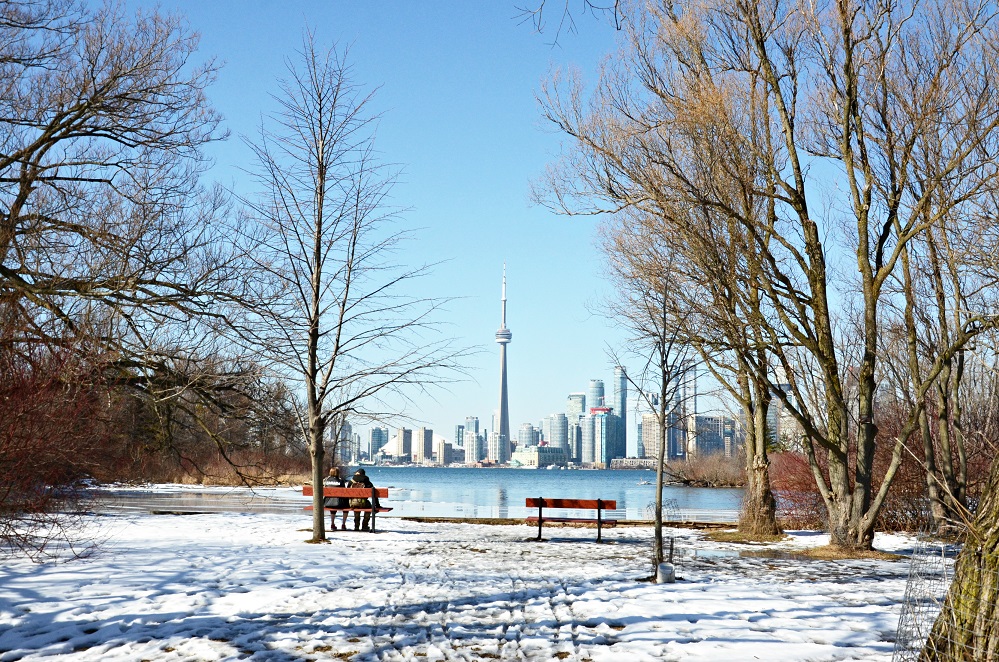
930,575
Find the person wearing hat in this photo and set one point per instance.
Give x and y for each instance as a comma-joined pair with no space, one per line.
360,479
334,504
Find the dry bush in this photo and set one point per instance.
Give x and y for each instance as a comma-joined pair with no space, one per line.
709,471
51,431
800,506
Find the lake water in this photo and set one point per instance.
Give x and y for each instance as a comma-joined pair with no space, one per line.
456,492
473,492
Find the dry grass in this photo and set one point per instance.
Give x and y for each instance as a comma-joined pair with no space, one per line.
738,537
835,553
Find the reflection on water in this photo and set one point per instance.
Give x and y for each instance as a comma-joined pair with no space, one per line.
446,492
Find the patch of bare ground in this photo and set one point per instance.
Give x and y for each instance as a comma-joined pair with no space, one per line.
834,553
741,538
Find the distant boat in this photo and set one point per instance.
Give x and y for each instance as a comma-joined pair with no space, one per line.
644,482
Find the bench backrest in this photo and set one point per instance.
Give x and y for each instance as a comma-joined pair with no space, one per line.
588,504
348,492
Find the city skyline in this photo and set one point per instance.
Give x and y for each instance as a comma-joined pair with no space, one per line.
468,152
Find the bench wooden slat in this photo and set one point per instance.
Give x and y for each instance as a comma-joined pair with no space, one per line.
582,504
348,492
356,510
576,520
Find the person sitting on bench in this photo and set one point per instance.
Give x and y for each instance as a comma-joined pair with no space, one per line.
335,503
360,479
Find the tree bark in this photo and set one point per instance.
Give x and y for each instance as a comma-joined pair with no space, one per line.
759,508
968,625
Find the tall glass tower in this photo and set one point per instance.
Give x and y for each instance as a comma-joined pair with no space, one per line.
596,396
620,405
503,337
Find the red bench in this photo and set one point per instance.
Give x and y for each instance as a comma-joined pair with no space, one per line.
599,505
353,493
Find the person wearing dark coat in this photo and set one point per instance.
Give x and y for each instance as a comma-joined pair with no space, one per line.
333,504
361,479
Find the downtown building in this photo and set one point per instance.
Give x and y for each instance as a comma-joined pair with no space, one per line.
423,446
600,441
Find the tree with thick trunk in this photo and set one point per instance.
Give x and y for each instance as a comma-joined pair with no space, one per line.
968,625
786,104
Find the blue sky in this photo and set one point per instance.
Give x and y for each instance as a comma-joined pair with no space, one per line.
457,84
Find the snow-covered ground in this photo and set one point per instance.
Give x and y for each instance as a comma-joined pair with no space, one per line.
231,586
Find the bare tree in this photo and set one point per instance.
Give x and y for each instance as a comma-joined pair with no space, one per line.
335,312
104,226
110,246
539,12
768,94
650,305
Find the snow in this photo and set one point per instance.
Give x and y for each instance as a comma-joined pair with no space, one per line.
234,586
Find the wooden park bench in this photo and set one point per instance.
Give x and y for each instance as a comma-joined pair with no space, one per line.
599,505
353,493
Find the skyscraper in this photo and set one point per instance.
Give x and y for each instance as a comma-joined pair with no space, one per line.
596,397
620,405
378,437
527,436
575,406
503,337
423,446
472,424
557,432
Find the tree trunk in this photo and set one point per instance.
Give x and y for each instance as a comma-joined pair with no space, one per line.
968,626
318,454
759,508
657,546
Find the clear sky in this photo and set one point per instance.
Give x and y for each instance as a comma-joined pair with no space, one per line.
457,83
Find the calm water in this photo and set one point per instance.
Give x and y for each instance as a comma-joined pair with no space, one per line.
459,492
470,492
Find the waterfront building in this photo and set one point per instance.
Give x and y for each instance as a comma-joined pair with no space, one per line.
402,448
538,456
472,423
503,337
575,407
443,452
620,405
575,439
732,437
675,436
423,448
345,451
473,447
527,436
377,438
709,436
596,397
783,429
556,432
499,449
651,435
459,436
605,442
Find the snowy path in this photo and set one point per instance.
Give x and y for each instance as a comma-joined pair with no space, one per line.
232,587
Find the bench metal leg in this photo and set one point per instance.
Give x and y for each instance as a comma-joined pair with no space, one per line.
541,505
600,507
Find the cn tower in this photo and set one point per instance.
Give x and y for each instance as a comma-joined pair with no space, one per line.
503,336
